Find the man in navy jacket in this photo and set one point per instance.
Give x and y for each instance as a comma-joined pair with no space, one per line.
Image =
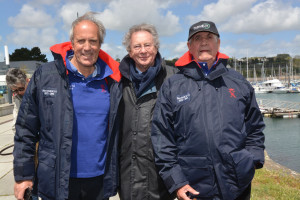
207,127
66,108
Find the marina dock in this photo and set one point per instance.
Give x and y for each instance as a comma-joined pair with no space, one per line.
279,109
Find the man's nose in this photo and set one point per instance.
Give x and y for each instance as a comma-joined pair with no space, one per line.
143,49
87,46
203,41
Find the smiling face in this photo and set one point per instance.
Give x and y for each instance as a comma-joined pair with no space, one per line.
204,47
142,50
86,45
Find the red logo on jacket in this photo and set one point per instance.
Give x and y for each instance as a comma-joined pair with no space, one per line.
232,91
103,89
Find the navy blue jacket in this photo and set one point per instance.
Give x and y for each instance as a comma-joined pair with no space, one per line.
207,131
46,115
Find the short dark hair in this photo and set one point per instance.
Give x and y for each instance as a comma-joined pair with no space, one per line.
15,76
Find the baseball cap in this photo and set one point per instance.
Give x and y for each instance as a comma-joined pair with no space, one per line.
203,26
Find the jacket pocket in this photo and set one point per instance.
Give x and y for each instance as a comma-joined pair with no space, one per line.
46,174
199,173
244,167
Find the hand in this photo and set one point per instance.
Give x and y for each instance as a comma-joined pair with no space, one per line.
182,192
20,188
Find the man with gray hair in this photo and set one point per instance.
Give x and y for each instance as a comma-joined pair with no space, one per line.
17,82
66,108
133,98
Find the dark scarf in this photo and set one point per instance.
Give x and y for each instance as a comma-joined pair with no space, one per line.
144,80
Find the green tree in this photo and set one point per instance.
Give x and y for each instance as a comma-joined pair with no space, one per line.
171,62
24,54
37,55
283,58
20,55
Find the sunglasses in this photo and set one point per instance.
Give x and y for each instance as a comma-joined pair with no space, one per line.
20,89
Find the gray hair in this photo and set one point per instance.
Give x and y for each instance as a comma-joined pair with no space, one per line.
141,27
89,16
15,76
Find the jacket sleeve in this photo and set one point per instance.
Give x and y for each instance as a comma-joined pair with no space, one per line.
27,128
164,142
255,126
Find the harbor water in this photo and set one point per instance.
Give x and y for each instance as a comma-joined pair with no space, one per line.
283,135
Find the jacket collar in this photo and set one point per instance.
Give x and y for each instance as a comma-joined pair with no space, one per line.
125,64
191,68
187,58
59,52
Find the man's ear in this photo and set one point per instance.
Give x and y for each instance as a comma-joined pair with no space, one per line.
188,44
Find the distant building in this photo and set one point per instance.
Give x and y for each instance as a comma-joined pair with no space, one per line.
297,57
260,59
27,66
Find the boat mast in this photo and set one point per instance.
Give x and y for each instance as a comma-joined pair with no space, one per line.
254,75
235,63
247,66
263,72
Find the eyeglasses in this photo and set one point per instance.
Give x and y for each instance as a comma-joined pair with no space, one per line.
138,47
20,89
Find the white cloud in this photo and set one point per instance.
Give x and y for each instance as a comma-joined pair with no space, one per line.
171,51
114,51
121,14
231,51
221,11
181,48
31,37
29,17
267,47
296,40
32,27
265,17
247,17
69,11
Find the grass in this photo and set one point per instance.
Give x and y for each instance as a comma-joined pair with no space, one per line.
275,184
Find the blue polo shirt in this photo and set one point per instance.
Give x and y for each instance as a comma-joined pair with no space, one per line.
91,102
205,69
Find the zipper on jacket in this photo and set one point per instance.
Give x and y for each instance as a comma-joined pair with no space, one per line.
209,136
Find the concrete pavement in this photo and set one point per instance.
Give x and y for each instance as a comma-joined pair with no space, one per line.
6,165
6,161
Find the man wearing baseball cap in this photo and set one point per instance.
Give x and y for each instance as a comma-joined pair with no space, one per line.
207,128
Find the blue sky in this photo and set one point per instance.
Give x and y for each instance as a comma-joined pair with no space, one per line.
247,27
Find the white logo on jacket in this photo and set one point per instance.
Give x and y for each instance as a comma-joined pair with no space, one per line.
182,98
49,92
